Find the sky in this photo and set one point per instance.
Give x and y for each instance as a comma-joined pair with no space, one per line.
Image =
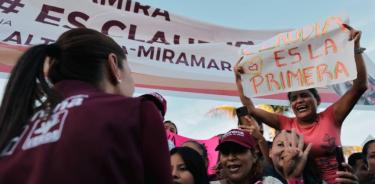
190,115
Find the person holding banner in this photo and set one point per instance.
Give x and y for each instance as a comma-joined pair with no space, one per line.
321,129
68,116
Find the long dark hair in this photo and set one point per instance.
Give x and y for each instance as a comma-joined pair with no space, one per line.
202,147
78,54
194,163
365,149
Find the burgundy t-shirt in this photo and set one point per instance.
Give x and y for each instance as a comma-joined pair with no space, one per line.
92,137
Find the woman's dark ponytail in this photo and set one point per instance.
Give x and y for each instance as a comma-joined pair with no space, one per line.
78,54
27,85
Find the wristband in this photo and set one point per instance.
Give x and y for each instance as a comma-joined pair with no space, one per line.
359,50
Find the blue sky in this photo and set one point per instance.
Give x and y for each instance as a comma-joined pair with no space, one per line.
189,114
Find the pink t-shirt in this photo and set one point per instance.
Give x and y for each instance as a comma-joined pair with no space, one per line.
324,134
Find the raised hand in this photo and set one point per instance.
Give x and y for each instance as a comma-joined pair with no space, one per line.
294,155
354,35
345,104
237,73
268,118
250,125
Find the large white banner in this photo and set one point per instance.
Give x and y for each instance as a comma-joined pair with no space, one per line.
166,52
316,55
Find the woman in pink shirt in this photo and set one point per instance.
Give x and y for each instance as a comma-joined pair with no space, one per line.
321,129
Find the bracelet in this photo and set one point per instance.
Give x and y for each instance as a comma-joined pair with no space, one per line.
359,50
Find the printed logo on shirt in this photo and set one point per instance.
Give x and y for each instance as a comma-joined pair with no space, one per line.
11,146
329,144
49,130
46,131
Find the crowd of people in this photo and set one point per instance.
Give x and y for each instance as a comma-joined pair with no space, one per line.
288,160
68,116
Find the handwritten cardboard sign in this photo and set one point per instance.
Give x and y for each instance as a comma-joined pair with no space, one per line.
313,56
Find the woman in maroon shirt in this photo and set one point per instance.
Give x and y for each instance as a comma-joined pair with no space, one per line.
67,116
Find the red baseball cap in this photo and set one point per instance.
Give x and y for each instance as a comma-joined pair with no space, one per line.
159,101
237,136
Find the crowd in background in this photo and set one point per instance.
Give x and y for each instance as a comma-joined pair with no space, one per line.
284,160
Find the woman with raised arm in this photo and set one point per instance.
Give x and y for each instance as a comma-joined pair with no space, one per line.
68,116
321,129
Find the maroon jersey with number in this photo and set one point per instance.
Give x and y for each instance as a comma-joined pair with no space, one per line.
91,137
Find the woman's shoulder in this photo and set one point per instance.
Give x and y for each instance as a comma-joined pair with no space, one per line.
100,106
113,100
